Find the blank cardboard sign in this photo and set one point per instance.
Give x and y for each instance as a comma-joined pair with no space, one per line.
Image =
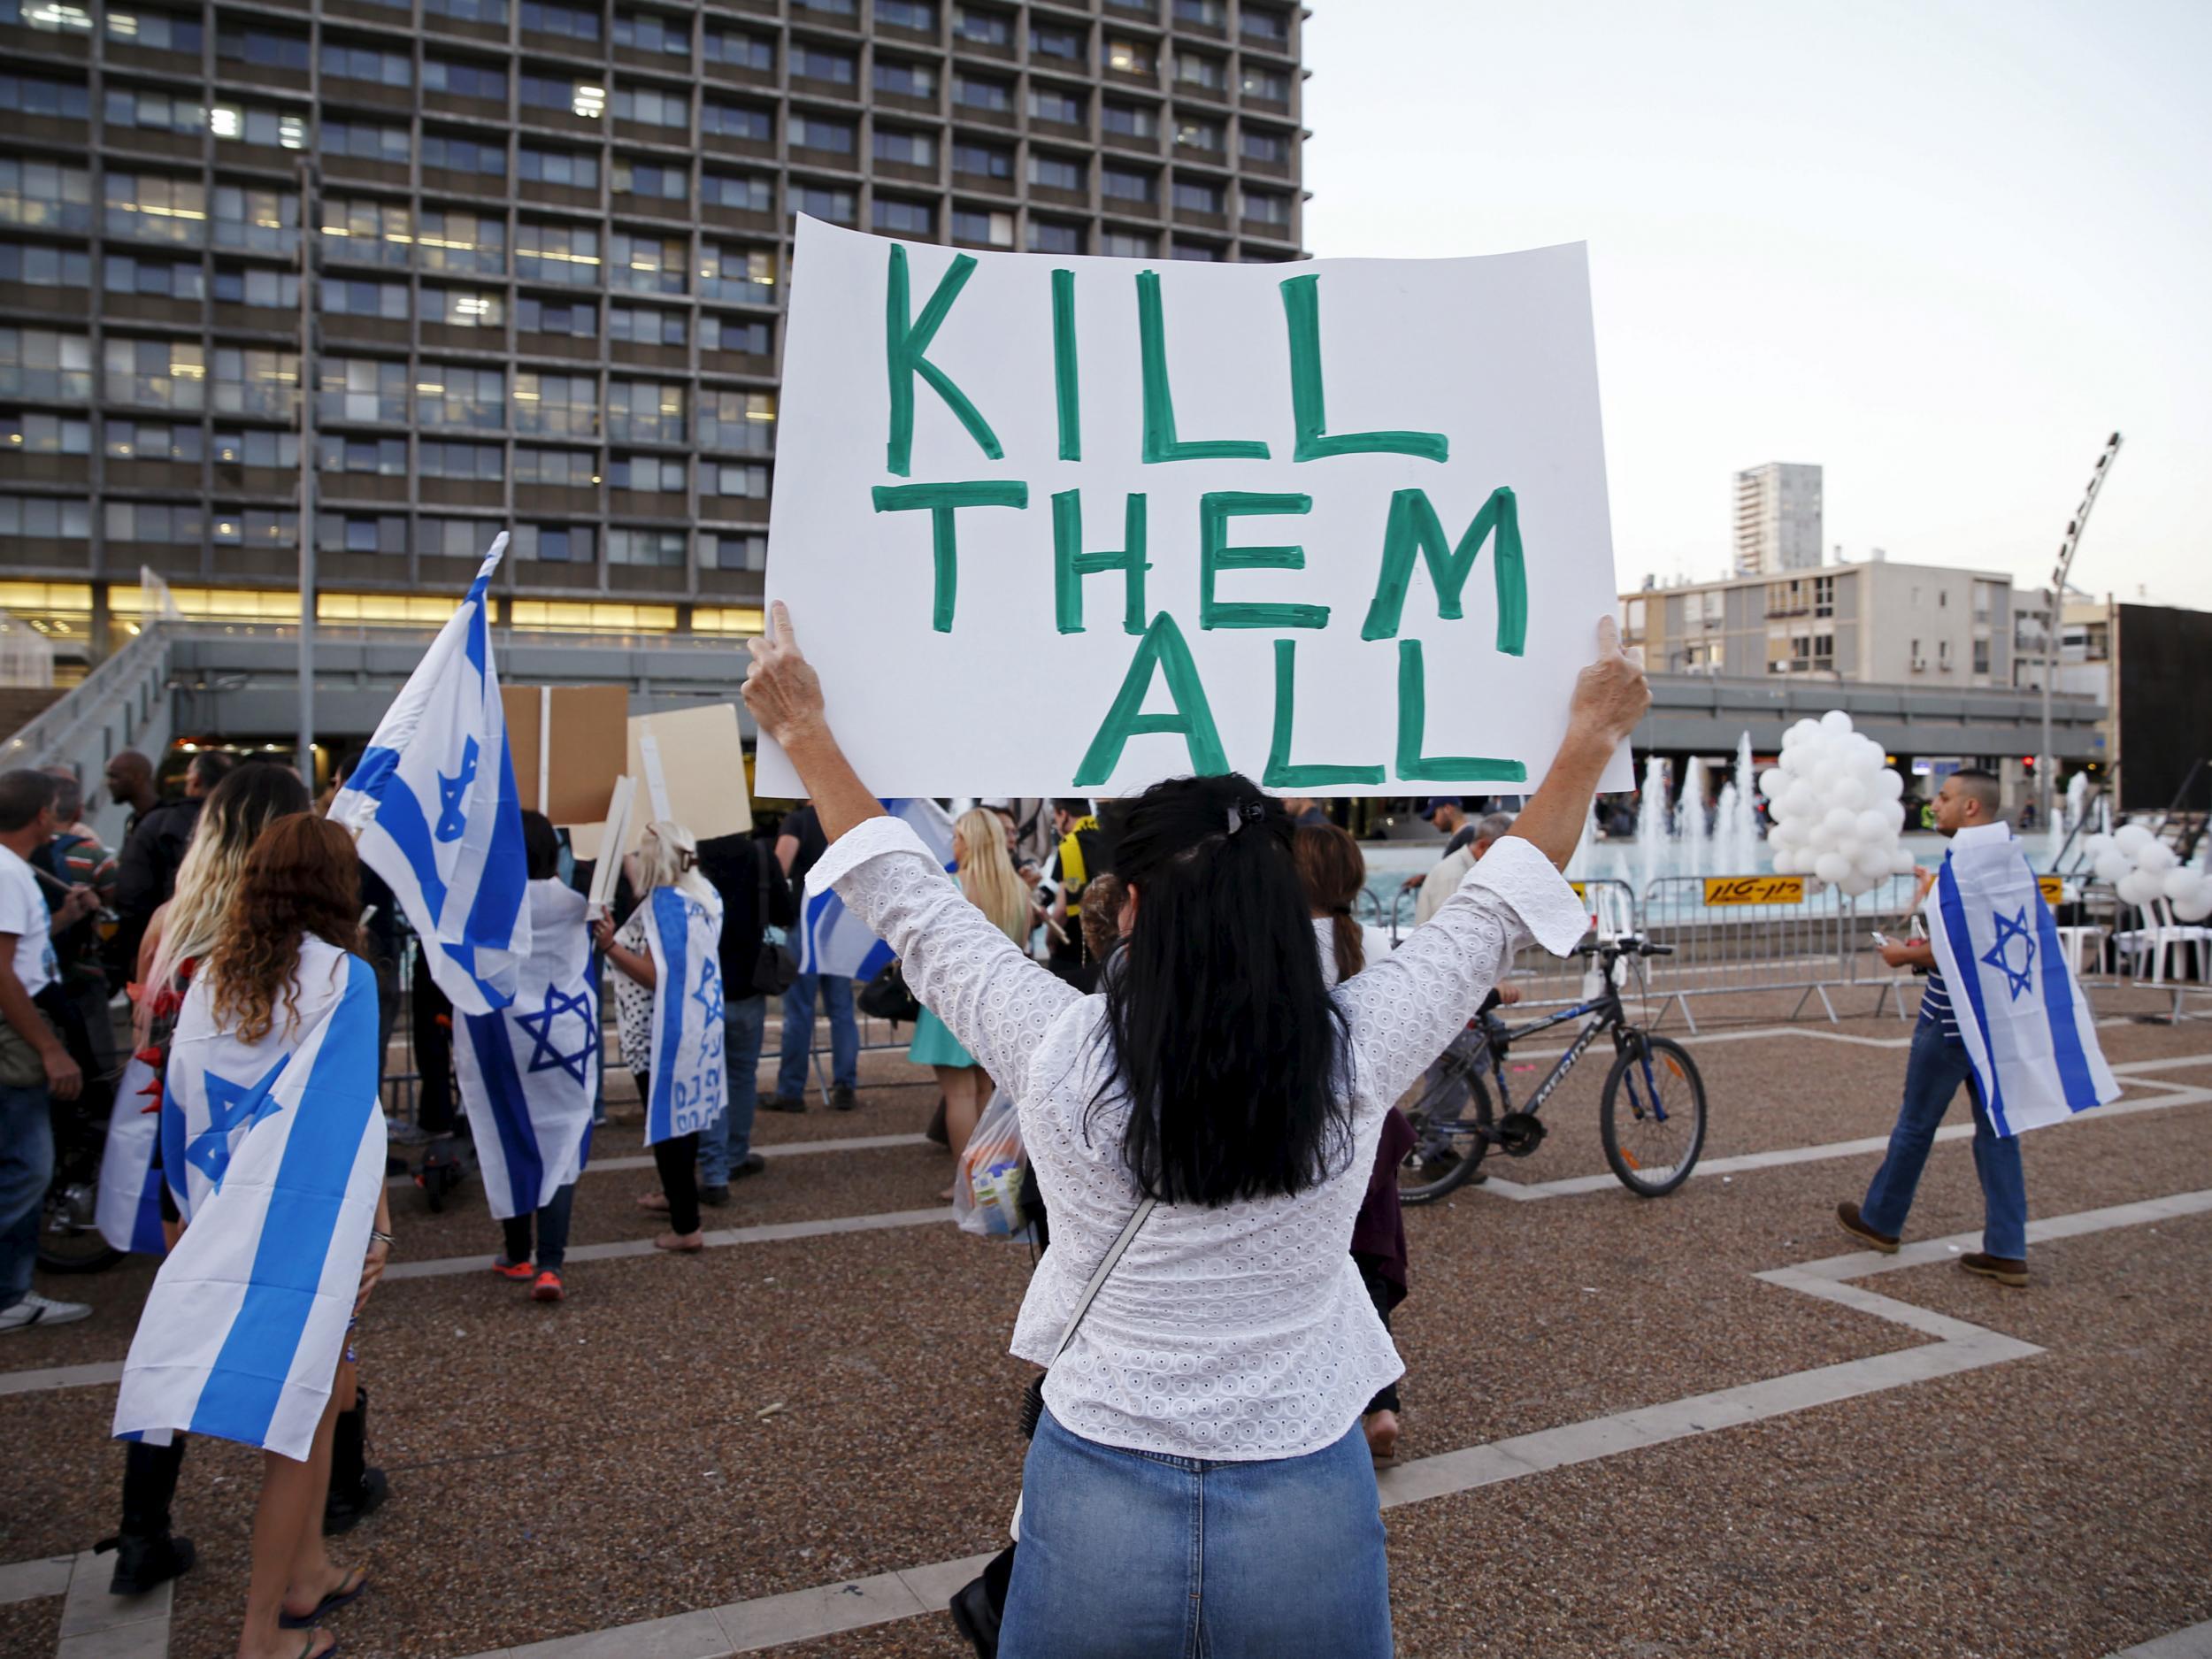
569,745
689,765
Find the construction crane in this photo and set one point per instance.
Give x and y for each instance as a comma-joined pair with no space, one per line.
2054,602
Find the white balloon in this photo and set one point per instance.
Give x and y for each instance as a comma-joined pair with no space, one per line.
2157,858
1786,860
1773,782
2132,839
2196,907
1888,785
1858,884
1833,868
2179,884
1838,820
1835,720
1851,793
1872,861
1801,799
1901,861
2113,866
1849,846
2137,887
2097,844
1893,810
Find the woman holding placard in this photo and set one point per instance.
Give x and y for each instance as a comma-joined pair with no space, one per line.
986,877
668,1007
1202,1129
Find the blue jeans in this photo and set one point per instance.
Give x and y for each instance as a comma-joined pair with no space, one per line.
798,1033
26,1165
1133,1555
1932,1076
728,1142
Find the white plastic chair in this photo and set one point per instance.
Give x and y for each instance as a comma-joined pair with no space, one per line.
2162,935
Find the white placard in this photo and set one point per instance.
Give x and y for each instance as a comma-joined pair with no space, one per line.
1447,413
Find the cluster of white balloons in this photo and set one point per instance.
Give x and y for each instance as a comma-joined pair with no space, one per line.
1838,810
2141,869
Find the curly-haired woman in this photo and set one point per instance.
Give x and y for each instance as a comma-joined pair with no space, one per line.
270,1121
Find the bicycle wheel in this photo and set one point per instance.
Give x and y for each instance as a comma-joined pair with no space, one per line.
1652,1122
1449,1110
68,1242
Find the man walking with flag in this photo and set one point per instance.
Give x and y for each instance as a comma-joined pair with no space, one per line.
2002,1014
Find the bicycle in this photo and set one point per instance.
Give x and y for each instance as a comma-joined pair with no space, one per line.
1651,1119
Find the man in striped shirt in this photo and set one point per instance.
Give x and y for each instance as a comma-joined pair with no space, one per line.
1937,1066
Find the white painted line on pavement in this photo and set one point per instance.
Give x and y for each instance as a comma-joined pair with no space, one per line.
825,1609
97,1626
768,1232
2193,1643
28,1580
789,1149
32,1382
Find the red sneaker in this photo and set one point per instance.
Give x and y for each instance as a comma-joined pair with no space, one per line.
515,1273
548,1287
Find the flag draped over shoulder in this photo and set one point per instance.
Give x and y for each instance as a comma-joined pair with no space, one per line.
530,1073
128,1210
432,803
690,1091
832,940
275,1152
2026,1026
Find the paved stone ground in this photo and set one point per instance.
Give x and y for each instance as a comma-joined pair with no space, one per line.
778,1415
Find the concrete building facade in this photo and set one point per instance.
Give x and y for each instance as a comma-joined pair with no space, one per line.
542,280
1778,519
1908,624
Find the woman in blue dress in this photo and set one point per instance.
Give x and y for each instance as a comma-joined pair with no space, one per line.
987,876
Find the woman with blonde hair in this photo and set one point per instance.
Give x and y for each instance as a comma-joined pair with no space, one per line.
987,878
668,1008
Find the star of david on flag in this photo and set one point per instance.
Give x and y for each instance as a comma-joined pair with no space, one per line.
546,1051
231,1108
2010,928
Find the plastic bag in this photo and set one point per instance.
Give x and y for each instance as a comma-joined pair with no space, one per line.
986,1195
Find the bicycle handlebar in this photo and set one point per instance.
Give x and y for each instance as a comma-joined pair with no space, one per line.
1624,947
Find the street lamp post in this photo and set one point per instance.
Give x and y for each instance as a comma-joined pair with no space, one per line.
2054,601
309,234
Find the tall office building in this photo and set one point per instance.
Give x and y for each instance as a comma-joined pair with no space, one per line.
1778,519
544,274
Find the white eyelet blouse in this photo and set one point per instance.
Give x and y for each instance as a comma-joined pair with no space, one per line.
1235,1333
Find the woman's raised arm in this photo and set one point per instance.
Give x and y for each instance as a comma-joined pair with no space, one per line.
785,696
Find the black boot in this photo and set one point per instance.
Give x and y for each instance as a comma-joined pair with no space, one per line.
147,1554
356,1490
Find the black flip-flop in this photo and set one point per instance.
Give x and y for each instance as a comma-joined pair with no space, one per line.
331,1603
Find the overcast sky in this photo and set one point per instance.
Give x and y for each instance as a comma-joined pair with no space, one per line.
1942,249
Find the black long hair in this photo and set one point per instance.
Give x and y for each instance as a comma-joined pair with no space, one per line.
1223,1035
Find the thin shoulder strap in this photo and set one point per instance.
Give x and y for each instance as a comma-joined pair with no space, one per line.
1098,1279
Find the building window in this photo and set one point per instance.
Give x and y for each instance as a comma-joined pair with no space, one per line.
1048,104
645,326
736,552
47,16
1209,14
163,279
40,267
1192,195
363,533
455,155
652,179
557,253
746,194
266,49
269,451
645,411
485,82
464,308
746,274
649,265
983,92
37,433
159,373
565,469
272,129
343,62
1118,184
361,389
746,334
982,230
1130,120
918,15
1196,69
55,100
490,13
464,538
572,169
364,140
742,423
255,526
1265,84
982,161
1056,44
573,97
1270,27
1191,134
652,32
1263,207
663,548
813,132
152,112
149,440
1823,596
45,518
1056,172
1270,149
148,207
741,481
1121,244
981,26
737,121
907,150
822,201
559,405
156,31
902,79
1048,235
460,244
446,394
905,218
816,63
557,19
479,463
381,457
1981,656
346,298
740,51
368,228
652,107
176,523
574,319
649,474
1202,253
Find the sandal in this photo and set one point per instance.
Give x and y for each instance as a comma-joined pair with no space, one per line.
354,1586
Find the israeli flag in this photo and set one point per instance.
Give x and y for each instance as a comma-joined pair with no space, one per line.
530,1073
128,1208
684,934
275,1152
2026,1026
832,940
432,803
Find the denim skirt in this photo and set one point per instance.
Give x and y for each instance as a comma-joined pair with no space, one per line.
1134,1555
